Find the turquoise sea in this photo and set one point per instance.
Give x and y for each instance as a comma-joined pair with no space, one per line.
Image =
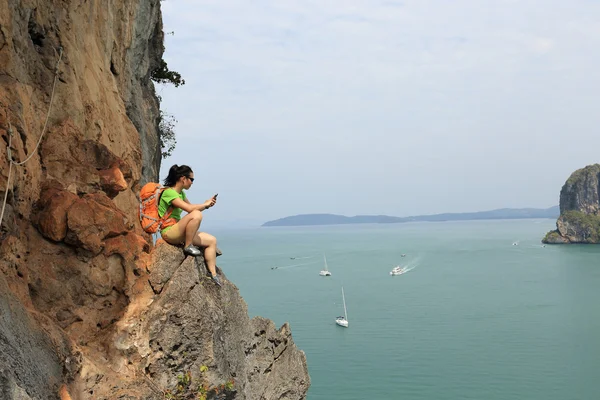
477,317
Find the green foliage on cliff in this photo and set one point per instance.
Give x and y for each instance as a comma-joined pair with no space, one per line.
166,123
162,74
552,237
587,224
186,388
580,174
166,134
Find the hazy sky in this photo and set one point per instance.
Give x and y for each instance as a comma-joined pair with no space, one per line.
381,106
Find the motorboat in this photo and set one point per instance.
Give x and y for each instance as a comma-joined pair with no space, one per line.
398,270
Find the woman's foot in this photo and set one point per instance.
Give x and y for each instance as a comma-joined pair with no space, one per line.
192,250
216,280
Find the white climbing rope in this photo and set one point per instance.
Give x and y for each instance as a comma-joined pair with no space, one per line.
9,153
47,114
10,164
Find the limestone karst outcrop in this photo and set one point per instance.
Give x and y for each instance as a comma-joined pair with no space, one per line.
579,220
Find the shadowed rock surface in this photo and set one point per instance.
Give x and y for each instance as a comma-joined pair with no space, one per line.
194,323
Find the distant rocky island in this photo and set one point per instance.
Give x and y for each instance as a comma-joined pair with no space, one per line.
579,220
333,219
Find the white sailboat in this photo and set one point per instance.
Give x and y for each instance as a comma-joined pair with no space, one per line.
325,272
343,321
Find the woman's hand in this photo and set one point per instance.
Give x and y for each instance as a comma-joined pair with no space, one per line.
209,203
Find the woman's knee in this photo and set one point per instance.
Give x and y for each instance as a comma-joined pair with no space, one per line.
211,240
196,215
207,239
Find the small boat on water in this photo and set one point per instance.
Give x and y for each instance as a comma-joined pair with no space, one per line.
343,320
398,270
325,271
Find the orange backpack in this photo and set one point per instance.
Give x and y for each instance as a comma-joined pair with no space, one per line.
149,218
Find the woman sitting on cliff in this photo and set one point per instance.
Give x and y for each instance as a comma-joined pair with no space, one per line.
185,231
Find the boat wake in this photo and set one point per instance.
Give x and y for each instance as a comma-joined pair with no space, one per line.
301,258
411,268
293,265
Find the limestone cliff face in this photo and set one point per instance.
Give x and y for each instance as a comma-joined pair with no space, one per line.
190,322
579,220
88,310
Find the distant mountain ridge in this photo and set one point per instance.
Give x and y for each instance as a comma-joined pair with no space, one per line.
333,219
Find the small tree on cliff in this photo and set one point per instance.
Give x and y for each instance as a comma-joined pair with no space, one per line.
166,122
166,134
162,74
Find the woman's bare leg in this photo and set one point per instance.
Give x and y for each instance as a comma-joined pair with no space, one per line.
178,234
192,226
209,244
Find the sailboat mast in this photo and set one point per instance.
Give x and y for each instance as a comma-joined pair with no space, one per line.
344,299
325,258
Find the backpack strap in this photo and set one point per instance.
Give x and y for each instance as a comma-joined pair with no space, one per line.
167,214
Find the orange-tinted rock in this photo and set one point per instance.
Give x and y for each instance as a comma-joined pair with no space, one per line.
88,164
104,110
103,200
104,274
128,246
56,302
51,213
64,393
112,181
93,219
62,157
